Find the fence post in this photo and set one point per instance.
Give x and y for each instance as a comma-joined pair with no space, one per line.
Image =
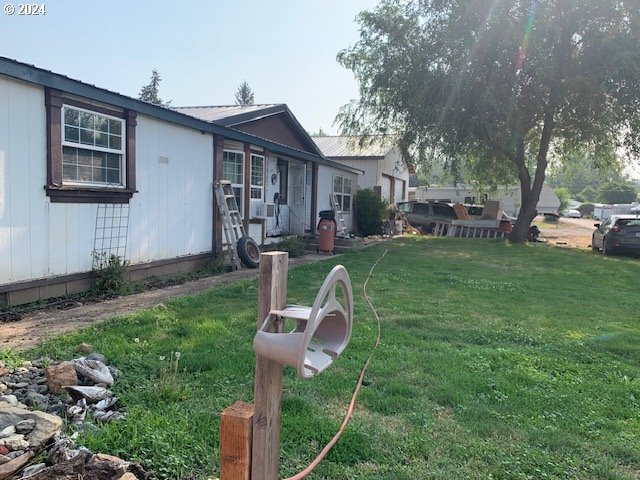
236,435
272,294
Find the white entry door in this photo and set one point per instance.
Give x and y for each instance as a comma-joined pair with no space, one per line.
297,218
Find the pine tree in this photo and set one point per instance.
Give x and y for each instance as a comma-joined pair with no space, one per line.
149,93
244,94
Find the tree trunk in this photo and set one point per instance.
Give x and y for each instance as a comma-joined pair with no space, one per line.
530,192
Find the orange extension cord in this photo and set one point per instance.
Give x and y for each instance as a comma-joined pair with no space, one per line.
352,404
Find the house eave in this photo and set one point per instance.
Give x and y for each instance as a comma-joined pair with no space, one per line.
45,78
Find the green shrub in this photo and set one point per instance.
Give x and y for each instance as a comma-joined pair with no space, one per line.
369,211
586,209
293,245
111,274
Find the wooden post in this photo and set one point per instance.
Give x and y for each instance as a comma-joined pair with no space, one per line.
272,294
236,433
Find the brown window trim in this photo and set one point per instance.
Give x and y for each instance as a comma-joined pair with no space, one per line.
56,190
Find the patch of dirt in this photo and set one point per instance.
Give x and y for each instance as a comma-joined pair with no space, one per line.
34,328
567,232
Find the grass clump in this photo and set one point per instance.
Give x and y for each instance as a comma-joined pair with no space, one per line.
9,358
497,361
294,245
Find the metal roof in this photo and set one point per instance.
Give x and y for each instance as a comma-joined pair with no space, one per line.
350,147
46,78
236,115
228,115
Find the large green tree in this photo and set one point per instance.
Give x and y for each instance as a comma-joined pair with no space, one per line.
500,83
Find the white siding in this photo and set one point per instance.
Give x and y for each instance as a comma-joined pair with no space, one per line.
395,167
70,243
23,233
274,226
325,188
385,187
391,165
171,213
400,189
372,170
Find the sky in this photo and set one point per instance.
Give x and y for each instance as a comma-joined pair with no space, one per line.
285,49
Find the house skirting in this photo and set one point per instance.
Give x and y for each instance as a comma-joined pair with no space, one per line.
41,289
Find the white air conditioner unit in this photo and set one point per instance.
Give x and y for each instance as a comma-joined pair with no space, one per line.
266,210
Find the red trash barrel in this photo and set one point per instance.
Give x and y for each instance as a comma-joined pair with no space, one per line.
327,234
505,226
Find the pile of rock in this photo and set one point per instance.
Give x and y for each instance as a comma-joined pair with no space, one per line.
67,389
34,400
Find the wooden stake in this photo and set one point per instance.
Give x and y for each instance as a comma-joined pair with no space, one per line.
236,429
272,294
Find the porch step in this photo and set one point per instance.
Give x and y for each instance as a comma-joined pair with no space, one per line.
342,245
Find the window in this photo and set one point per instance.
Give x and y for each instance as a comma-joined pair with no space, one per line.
257,177
625,222
233,170
342,190
404,207
442,210
90,150
422,208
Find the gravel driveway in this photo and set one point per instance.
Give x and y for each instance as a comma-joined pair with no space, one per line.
568,232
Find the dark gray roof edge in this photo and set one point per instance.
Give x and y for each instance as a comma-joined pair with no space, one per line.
267,111
337,158
305,134
46,78
245,117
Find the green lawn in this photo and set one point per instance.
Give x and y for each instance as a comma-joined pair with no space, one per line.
497,361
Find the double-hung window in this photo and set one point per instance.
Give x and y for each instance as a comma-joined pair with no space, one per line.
257,177
233,171
342,190
93,150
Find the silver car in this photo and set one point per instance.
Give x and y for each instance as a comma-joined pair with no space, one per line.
616,234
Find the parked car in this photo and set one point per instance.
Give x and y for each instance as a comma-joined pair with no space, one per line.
571,213
617,233
424,215
475,212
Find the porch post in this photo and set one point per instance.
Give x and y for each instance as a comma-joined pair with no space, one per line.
247,186
218,155
314,197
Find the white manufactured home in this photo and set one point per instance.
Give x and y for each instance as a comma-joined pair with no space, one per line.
381,162
85,170
508,195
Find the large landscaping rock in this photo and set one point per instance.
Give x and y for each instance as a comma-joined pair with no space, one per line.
61,375
9,468
46,425
94,467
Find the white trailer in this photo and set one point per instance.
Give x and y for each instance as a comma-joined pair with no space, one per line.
508,195
602,211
